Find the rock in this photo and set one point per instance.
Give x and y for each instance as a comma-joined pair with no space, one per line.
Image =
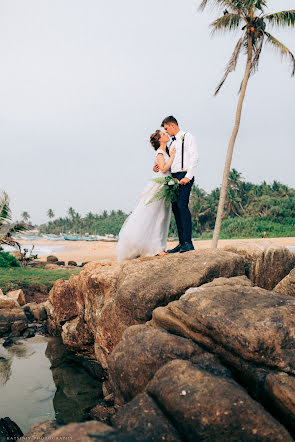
89,432
51,266
266,263
29,333
142,351
18,327
8,303
53,328
248,323
38,311
42,430
10,316
102,413
63,297
110,298
76,334
51,259
206,406
236,322
143,418
9,430
18,296
59,263
287,285
8,342
36,264
72,263
281,390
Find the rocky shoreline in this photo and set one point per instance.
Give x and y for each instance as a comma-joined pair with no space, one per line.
198,346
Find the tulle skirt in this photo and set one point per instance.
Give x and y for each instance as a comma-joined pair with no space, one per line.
145,231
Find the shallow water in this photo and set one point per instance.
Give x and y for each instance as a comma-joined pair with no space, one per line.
40,380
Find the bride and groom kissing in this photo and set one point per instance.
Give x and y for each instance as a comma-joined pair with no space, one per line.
145,231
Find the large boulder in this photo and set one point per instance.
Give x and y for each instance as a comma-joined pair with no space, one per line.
247,323
287,285
266,263
211,406
110,298
12,315
141,352
143,418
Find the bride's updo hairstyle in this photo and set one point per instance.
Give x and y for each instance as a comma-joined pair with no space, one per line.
155,139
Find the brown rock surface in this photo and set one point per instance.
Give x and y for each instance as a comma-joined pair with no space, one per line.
287,285
18,296
244,322
267,264
76,334
143,418
8,316
41,430
110,298
141,352
281,390
206,406
89,432
37,310
8,303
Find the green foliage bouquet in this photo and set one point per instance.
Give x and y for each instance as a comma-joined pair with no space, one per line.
169,190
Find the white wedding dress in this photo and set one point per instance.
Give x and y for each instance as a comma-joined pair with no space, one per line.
145,231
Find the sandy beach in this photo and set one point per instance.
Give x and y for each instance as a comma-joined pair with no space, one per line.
84,251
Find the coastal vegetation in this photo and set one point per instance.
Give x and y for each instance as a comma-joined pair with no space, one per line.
20,277
250,210
249,16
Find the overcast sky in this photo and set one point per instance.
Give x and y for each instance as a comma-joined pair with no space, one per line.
83,84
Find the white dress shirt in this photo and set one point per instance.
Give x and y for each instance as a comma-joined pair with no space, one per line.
190,154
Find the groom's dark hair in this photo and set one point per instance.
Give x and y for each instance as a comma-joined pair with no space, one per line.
169,120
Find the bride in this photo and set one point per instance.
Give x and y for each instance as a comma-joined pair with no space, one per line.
145,231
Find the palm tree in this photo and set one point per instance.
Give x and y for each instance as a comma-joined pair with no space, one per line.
25,216
250,16
7,229
50,213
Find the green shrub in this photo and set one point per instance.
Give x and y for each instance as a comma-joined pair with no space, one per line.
8,260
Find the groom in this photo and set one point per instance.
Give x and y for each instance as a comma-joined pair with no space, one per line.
183,166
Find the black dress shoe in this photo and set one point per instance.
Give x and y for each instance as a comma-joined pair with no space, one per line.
175,250
186,247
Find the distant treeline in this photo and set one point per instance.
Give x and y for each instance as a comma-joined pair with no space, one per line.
250,211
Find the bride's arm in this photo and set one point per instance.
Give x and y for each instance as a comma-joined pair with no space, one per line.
164,167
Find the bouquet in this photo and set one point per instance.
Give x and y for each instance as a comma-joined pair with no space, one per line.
169,190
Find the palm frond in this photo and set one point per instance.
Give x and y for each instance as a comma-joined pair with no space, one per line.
281,19
228,21
283,50
4,208
231,64
234,5
256,56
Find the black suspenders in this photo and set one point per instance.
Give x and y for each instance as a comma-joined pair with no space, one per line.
182,151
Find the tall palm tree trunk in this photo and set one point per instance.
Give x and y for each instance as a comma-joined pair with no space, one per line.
230,148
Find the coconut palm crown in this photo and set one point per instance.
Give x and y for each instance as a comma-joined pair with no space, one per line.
250,17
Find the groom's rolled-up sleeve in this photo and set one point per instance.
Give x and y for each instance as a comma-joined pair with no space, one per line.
193,157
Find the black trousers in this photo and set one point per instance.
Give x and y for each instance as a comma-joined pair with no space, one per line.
181,211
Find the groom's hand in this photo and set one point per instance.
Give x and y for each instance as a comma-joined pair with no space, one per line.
184,181
156,168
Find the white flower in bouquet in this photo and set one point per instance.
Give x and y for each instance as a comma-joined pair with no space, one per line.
171,183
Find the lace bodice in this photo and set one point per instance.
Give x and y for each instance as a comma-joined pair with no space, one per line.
166,158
